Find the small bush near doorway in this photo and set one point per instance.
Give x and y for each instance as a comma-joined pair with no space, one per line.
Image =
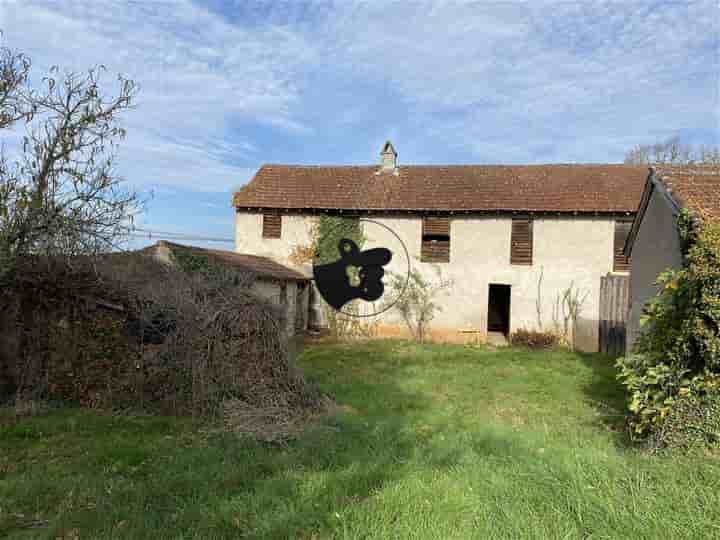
533,339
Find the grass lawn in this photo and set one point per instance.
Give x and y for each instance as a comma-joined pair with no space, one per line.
432,442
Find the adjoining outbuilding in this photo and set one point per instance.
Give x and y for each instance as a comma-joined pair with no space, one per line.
654,243
273,281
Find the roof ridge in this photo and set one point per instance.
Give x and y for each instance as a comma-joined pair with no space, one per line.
450,165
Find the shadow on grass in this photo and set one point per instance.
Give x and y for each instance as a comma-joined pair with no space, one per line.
607,396
168,484
351,454
299,490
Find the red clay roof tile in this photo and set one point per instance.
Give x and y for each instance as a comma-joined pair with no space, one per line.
696,188
551,188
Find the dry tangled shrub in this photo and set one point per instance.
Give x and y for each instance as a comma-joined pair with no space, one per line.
534,339
126,330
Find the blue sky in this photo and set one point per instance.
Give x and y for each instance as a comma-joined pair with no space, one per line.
228,85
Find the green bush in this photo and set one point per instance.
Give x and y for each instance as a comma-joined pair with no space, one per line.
534,339
693,423
677,354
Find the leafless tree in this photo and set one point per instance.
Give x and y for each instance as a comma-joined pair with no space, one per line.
673,152
62,195
566,312
415,299
14,69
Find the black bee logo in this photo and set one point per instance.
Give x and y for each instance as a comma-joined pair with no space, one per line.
334,283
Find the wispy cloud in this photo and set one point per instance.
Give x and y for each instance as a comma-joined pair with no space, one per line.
199,76
546,75
228,85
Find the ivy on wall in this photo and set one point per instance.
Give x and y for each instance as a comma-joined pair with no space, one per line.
330,230
322,249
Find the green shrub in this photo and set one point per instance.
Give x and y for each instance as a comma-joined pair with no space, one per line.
677,354
534,339
693,423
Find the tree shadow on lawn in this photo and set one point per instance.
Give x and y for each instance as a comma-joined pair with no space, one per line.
607,396
343,460
382,435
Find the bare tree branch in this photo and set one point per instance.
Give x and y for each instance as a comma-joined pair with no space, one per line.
14,69
62,196
672,152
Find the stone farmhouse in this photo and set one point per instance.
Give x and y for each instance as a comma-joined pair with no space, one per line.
654,241
509,238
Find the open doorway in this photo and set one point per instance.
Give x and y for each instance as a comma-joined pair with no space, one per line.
498,319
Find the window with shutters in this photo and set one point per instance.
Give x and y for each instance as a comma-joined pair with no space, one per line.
272,225
435,240
621,263
521,241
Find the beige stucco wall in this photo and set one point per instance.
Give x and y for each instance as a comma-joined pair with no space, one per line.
577,250
296,231
656,248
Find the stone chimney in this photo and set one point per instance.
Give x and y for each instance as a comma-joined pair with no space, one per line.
388,158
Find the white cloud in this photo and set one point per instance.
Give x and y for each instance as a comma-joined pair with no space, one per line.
553,72
198,75
495,81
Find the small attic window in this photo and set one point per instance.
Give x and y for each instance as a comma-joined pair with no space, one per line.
435,246
272,225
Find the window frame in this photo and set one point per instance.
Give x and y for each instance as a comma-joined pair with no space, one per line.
435,243
517,259
269,228
621,262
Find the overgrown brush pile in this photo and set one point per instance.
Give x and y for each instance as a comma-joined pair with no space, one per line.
126,331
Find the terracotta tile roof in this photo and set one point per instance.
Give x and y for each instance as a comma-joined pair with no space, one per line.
263,267
694,188
551,188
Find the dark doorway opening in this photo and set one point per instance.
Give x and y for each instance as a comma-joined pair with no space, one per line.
499,309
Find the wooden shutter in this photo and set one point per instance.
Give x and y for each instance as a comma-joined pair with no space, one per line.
436,226
521,241
272,225
621,263
435,246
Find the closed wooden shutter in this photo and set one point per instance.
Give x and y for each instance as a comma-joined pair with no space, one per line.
435,246
436,226
272,225
521,241
621,263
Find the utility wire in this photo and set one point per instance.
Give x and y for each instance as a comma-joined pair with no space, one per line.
177,236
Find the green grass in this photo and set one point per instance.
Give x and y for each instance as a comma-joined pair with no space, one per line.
432,442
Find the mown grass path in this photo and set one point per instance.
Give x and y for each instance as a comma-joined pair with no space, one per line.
431,442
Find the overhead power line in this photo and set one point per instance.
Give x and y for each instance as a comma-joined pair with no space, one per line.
166,235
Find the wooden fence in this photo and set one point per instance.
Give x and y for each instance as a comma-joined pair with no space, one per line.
614,306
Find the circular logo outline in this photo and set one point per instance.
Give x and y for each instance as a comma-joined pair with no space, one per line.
407,276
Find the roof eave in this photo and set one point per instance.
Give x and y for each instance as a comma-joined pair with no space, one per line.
390,210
